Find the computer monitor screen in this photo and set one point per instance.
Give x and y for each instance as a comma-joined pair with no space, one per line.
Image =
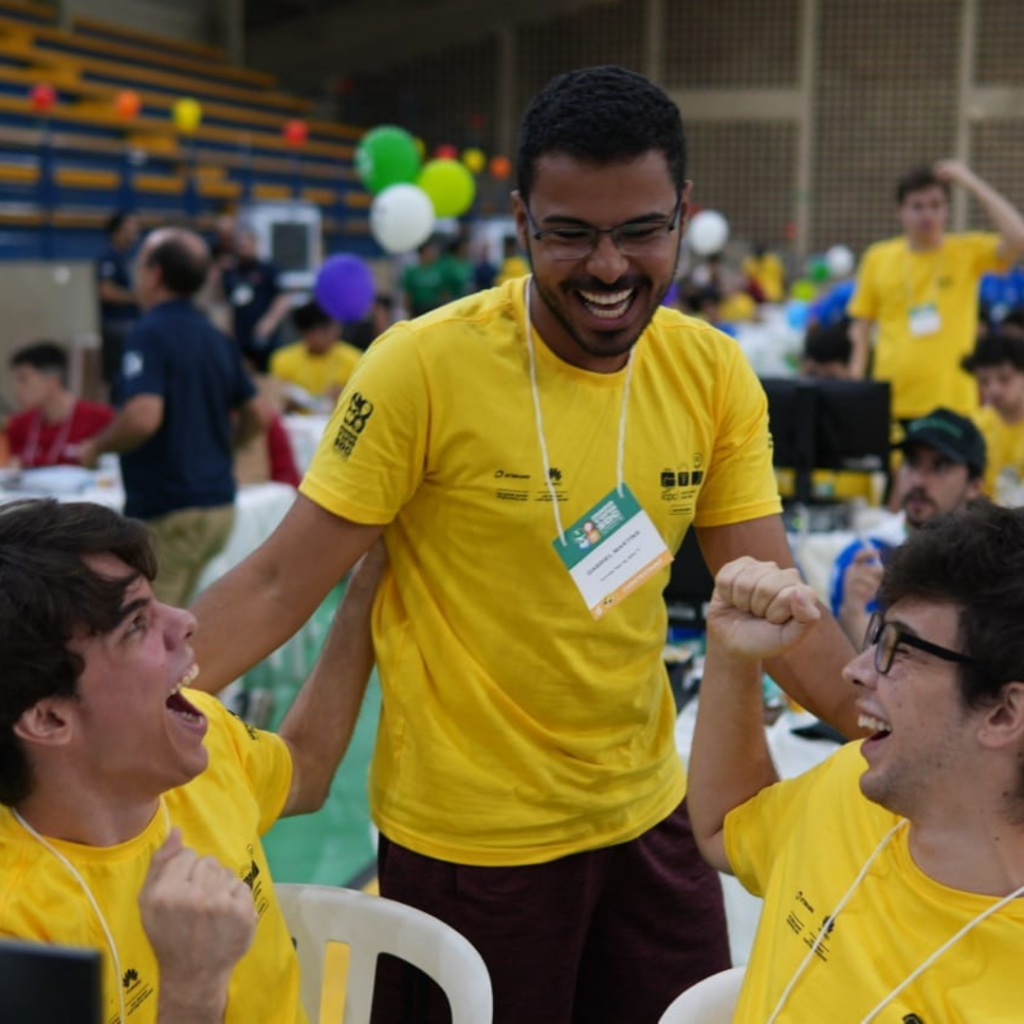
824,423
41,984
853,418
690,584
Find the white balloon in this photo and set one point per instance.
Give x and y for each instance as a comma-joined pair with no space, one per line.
839,260
401,218
707,233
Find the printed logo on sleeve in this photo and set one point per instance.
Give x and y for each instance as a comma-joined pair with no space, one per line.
353,423
131,365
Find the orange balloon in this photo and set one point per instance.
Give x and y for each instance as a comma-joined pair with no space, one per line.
500,167
127,104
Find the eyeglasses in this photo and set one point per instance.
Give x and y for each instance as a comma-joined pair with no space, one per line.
886,638
634,238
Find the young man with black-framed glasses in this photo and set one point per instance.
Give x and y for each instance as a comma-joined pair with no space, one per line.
893,872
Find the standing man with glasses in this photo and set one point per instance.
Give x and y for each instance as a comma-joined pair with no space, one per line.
532,455
892,873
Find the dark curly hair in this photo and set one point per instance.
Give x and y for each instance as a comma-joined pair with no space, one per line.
600,115
47,593
973,559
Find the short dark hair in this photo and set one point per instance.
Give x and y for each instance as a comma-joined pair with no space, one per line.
183,267
310,315
994,350
115,220
973,559
916,179
829,344
47,592
600,115
44,356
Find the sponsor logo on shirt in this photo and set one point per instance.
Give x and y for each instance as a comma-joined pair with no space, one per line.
353,423
132,365
680,484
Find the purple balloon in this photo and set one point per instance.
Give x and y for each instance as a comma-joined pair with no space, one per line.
345,287
672,295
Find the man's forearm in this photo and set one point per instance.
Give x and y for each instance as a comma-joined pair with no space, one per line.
1002,213
813,677
320,723
729,760
860,337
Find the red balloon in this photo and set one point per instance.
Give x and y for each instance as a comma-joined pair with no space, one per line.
127,104
42,97
500,167
446,151
295,132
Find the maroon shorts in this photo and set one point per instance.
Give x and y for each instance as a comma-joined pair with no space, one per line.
608,936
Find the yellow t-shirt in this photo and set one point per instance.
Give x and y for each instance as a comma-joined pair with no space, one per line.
221,812
1004,456
768,272
800,844
515,728
318,373
893,279
511,267
831,485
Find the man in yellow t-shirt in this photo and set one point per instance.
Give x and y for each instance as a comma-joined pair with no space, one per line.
319,365
891,873
997,363
532,454
921,291
132,808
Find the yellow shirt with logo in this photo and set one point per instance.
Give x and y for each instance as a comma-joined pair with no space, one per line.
316,373
515,728
894,279
1004,461
800,844
221,813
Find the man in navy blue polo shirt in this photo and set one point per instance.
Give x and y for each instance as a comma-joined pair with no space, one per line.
118,309
180,381
258,304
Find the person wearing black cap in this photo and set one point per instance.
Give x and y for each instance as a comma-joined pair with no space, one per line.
943,469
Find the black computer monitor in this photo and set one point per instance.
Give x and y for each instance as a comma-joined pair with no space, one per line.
689,586
823,423
43,984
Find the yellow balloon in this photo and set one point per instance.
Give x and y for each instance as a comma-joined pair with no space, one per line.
187,114
474,160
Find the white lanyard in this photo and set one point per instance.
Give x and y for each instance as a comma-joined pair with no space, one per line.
932,291
56,447
830,921
620,461
76,875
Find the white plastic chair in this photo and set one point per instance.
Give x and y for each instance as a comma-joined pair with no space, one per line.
711,1001
370,925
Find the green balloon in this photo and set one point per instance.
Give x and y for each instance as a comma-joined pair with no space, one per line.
818,271
449,185
387,156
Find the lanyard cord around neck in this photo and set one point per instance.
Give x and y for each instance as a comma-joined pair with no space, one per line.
918,971
621,451
84,885
932,294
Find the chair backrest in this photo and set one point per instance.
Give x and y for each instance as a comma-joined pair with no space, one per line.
711,1001
370,925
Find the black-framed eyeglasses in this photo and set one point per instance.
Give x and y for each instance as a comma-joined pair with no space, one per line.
634,238
886,638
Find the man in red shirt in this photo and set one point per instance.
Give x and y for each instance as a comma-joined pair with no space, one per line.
52,422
